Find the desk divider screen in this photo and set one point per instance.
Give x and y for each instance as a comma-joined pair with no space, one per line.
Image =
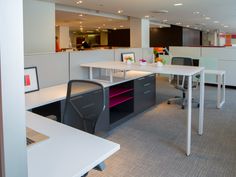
137,53
77,58
53,68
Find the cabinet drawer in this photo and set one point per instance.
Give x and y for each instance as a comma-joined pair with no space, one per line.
144,83
144,100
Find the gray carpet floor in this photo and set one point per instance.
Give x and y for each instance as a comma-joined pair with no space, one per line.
153,142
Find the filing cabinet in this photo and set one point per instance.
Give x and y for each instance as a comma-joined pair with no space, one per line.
144,93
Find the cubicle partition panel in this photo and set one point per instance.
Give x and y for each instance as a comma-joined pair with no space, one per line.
53,68
147,54
193,52
77,58
137,52
222,58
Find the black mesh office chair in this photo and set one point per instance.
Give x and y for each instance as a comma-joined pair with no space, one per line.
181,82
82,111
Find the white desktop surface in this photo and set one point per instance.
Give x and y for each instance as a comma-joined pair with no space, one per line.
68,152
166,69
57,93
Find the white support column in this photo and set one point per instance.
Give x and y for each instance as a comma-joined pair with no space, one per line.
189,118
139,33
13,152
63,33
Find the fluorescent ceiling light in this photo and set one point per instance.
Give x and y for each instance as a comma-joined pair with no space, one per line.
120,11
196,12
207,18
159,24
79,2
216,21
178,4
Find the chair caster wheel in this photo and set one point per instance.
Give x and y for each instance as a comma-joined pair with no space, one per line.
182,107
168,102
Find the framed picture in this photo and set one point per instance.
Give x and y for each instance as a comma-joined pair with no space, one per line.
128,57
31,79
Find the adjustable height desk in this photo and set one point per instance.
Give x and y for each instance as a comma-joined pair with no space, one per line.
188,71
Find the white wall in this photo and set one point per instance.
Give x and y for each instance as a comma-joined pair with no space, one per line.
39,26
12,99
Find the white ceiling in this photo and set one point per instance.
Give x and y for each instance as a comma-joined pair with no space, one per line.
88,22
222,11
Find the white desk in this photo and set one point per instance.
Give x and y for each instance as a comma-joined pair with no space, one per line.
68,152
188,71
57,93
220,82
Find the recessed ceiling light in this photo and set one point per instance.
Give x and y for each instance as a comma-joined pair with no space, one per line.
120,11
79,2
178,23
121,26
187,26
207,18
178,4
80,22
226,26
114,28
196,12
103,24
160,26
99,27
146,16
216,21
165,20
81,15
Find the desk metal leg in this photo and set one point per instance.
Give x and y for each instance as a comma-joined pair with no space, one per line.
189,119
111,75
219,80
220,96
90,73
201,109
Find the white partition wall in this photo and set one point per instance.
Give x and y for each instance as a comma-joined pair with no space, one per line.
77,58
53,68
222,58
193,52
219,58
137,52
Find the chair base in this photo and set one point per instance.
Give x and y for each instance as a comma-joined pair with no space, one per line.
182,100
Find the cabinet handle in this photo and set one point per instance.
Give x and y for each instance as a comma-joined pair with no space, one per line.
147,84
142,78
147,92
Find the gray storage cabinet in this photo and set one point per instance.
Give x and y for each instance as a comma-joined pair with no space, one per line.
144,93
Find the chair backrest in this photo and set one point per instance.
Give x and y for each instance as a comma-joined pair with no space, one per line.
82,111
182,61
178,80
